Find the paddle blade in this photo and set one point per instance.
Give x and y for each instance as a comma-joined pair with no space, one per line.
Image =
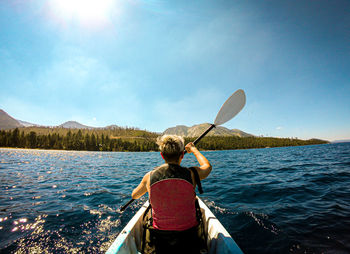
231,107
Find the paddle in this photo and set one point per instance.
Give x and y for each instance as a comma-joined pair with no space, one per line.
232,106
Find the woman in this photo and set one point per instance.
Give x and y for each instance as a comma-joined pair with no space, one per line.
171,189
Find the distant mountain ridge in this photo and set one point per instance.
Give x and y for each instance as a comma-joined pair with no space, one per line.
197,130
27,124
8,122
74,125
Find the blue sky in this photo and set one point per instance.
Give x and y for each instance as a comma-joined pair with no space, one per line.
156,64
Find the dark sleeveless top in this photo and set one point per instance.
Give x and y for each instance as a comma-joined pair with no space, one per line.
172,197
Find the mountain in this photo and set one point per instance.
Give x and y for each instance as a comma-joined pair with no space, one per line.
8,122
242,133
180,130
197,130
74,125
26,124
111,127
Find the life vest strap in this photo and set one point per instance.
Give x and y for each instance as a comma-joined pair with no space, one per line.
198,180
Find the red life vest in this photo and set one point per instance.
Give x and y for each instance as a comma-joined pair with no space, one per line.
172,197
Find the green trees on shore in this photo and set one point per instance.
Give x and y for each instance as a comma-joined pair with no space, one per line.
128,139
232,142
74,140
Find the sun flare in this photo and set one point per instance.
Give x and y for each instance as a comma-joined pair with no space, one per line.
86,12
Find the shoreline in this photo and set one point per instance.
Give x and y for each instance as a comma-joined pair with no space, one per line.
63,150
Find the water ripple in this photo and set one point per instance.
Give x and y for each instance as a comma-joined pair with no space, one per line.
276,200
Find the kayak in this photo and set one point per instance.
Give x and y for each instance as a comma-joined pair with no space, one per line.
219,240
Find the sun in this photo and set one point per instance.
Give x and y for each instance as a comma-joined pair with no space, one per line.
86,12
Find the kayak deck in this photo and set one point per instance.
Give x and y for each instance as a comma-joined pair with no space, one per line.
218,239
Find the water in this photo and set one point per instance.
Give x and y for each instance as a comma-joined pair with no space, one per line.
275,200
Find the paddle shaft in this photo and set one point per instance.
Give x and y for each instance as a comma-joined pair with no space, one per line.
202,136
126,205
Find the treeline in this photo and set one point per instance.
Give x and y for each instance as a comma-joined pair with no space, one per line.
131,140
232,142
76,140
112,131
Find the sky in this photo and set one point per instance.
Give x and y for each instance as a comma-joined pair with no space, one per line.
157,64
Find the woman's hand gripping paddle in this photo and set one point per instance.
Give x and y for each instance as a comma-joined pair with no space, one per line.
232,106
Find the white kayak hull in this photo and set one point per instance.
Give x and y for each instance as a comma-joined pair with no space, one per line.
218,239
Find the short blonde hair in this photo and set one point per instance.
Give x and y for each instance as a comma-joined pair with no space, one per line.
171,146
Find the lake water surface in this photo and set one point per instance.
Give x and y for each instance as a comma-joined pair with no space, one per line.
275,200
